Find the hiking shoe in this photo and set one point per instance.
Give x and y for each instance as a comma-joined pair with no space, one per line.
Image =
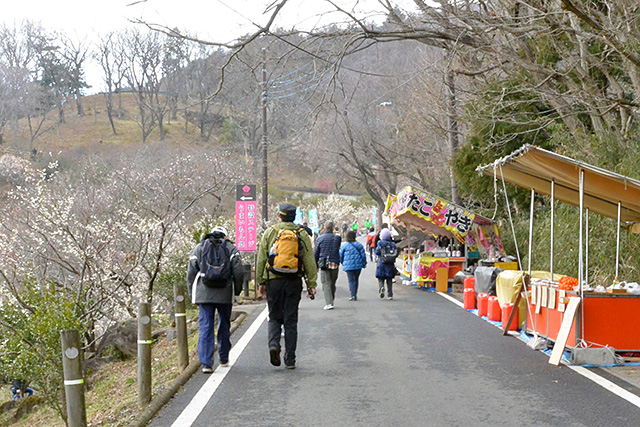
389,298
328,307
290,366
381,293
274,356
224,364
352,298
206,370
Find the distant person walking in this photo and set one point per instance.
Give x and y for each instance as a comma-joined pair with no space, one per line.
355,227
284,258
327,255
214,276
371,243
353,260
387,253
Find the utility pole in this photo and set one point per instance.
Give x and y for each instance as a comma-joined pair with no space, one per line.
452,124
265,185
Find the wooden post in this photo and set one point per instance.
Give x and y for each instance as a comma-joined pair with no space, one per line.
247,279
144,353
73,380
181,326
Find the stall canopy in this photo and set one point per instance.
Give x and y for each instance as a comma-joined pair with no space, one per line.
430,214
535,168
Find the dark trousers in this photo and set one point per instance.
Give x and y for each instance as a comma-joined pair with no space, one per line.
206,334
283,299
352,277
372,252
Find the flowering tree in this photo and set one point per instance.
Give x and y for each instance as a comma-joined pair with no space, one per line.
97,241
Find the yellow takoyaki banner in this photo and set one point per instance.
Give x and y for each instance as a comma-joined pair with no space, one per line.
412,201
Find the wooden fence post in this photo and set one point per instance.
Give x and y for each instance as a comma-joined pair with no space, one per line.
144,353
73,380
181,326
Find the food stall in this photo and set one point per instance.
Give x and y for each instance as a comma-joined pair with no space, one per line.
458,236
610,318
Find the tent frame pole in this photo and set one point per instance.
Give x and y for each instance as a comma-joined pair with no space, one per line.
580,255
533,193
618,241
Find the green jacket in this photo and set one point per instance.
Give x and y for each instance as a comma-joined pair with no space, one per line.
308,261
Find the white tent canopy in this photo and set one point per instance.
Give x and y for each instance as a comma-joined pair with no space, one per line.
535,168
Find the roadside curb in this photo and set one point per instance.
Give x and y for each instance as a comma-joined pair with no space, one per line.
194,364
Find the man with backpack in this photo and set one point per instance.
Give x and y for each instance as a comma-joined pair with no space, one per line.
284,258
214,276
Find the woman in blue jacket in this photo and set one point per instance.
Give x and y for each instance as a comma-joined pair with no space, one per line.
353,260
386,268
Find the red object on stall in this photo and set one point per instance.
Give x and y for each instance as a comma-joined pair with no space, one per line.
507,308
482,304
493,309
469,298
470,282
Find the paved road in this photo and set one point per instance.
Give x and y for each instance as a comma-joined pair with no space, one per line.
418,360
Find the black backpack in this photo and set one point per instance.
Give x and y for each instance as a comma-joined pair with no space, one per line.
215,267
388,254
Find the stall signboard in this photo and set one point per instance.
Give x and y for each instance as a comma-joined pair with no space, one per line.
390,207
430,208
425,268
313,220
246,218
298,220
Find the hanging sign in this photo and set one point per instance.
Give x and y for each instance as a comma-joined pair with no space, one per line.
246,219
433,209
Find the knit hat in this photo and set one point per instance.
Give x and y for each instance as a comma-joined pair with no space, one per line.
385,234
218,229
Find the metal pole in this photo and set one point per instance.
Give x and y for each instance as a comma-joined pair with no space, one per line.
181,326
586,247
618,241
533,193
553,206
265,184
144,353
73,380
580,255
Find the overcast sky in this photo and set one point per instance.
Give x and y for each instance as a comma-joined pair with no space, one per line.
219,20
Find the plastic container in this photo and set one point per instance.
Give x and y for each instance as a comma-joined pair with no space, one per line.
469,298
482,304
493,309
470,282
507,308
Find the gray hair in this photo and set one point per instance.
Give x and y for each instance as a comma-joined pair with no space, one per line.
328,225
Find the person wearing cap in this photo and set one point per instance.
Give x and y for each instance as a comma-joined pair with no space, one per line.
283,292
210,300
327,255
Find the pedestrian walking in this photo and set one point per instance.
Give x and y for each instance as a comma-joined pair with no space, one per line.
355,227
387,253
327,255
353,260
214,276
371,243
284,258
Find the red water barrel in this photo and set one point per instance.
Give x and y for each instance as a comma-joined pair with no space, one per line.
469,298
482,304
470,282
494,310
507,308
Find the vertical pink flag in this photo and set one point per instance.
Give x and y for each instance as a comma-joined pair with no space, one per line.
246,218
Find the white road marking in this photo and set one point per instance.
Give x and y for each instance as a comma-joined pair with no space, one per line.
603,382
202,397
